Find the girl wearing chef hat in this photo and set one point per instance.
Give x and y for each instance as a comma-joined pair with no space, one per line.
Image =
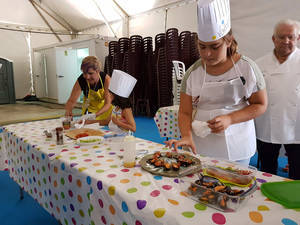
229,89
120,87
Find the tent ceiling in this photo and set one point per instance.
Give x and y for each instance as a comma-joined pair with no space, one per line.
78,14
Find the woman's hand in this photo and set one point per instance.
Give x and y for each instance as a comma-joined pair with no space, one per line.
187,141
220,123
68,113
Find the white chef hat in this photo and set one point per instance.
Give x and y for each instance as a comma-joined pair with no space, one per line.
121,83
213,19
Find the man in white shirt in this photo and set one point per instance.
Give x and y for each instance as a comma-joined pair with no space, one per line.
280,124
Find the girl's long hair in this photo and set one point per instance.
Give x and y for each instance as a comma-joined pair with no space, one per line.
232,50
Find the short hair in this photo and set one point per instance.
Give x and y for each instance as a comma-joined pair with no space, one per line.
289,22
90,62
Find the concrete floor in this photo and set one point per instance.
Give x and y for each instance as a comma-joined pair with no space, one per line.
24,111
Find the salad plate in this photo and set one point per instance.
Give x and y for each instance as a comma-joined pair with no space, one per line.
90,140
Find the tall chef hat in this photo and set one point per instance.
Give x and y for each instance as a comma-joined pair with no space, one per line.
213,19
121,83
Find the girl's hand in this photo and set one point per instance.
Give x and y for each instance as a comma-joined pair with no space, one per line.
219,123
187,141
114,119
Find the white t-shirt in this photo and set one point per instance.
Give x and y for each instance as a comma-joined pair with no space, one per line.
244,68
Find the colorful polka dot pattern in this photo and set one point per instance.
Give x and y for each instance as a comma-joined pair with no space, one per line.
3,158
89,185
166,120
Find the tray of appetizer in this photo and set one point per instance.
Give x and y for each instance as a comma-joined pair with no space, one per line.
214,193
170,164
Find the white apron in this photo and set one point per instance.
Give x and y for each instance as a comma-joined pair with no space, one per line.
281,122
238,141
112,126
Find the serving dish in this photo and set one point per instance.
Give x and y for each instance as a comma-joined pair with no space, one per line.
89,140
83,132
230,172
213,193
170,164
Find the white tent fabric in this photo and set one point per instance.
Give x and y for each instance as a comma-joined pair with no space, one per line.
253,22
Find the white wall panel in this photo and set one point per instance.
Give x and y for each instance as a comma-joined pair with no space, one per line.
51,72
13,46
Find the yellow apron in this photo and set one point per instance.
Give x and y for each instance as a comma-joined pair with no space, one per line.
95,101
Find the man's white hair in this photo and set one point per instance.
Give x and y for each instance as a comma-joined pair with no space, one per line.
294,23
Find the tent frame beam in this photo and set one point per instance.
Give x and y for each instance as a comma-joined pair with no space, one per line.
104,18
125,20
57,18
45,20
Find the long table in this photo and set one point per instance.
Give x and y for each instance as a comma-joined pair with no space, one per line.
3,157
88,185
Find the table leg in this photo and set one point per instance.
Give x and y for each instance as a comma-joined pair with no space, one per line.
21,193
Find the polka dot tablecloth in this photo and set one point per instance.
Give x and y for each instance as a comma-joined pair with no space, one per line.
89,185
166,119
3,157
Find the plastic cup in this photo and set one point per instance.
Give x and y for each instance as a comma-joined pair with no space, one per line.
66,122
116,144
129,154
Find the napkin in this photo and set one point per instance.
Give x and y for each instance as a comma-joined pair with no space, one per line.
201,128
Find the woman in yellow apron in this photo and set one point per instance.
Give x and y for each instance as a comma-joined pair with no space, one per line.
94,84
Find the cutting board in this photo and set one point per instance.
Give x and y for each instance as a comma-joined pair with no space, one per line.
285,193
91,132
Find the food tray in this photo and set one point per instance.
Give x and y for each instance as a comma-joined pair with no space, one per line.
230,172
285,193
73,134
213,197
183,169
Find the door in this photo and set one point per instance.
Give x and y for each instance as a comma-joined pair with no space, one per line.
66,72
4,94
39,74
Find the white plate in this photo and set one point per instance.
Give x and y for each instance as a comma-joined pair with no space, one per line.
89,140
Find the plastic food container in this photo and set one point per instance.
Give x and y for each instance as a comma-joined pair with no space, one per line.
211,197
222,185
230,172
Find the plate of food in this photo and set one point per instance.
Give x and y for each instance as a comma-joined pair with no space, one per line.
83,132
170,164
89,140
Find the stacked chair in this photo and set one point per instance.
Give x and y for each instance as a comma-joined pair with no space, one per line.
146,81
158,82
135,65
195,55
172,53
124,46
185,48
112,61
160,43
